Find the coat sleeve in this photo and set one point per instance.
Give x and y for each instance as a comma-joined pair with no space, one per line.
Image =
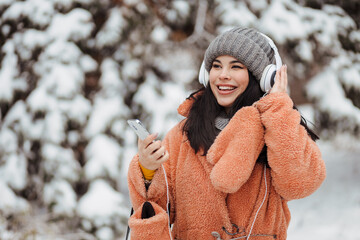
138,193
154,228
157,191
235,150
297,167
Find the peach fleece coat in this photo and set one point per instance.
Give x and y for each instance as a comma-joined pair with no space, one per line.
212,193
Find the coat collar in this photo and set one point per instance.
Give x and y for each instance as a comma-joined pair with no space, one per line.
185,107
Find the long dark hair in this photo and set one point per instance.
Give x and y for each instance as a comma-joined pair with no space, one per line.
200,123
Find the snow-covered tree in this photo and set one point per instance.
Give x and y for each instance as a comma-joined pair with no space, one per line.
73,71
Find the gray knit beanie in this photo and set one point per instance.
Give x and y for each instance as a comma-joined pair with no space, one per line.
246,45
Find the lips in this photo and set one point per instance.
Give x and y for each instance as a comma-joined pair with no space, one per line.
226,89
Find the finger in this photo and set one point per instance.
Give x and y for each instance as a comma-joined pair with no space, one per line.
277,82
163,158
281,77
149,139
285,77
159,153
277,76
153,147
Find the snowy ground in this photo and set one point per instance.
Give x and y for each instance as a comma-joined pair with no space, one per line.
333,212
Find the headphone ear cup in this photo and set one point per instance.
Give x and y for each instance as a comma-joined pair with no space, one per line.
268,78
203,75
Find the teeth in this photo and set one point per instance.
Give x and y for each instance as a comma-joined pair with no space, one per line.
226,88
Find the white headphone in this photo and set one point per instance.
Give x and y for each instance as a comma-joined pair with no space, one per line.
203,75
268,76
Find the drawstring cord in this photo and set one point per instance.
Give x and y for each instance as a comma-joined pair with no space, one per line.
232,234
217,235
263,201
167,200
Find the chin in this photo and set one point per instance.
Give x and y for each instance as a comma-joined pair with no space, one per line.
225,104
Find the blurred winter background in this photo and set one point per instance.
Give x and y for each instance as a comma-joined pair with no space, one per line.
73,71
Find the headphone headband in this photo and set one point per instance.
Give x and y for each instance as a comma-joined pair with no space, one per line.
276,52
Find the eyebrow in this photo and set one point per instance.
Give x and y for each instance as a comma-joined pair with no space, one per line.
235,61
232,62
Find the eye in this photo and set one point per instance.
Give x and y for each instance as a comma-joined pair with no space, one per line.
216,65
237,67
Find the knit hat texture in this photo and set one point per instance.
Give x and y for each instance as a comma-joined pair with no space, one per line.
246,45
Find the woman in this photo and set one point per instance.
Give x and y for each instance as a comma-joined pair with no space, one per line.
232,165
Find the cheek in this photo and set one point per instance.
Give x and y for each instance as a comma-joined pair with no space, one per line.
243,80
213,88
212,76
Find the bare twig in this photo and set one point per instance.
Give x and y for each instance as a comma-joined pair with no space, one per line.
199,29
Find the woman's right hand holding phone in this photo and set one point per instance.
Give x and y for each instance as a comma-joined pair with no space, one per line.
151,152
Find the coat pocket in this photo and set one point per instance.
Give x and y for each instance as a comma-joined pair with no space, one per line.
153,227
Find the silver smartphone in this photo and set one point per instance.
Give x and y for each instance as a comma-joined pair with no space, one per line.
139,128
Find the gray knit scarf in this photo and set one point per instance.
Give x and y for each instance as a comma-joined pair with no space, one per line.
221,121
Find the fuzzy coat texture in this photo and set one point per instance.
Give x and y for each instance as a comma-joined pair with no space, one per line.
211,193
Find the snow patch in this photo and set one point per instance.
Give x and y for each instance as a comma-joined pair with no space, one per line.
87,64
8,72
61,197
103,158
233,13
110,80
131,68
105,112
334,99
304,51
54,127
10,203
159,34
75,25
14,171
60,162
101,206
38,12
112,30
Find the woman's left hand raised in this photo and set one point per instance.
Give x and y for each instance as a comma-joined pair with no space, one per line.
281,81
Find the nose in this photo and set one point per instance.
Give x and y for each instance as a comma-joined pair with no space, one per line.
224,75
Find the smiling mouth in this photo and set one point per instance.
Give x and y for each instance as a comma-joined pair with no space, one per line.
226,88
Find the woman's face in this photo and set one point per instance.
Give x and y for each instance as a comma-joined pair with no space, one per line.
228,79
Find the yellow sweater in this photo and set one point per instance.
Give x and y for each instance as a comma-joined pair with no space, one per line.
148,174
